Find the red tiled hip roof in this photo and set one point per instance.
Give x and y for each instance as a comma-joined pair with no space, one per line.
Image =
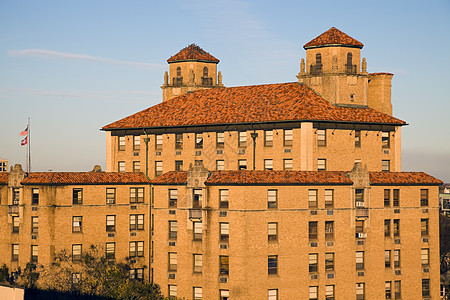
333,37
84,178
192,52
402,178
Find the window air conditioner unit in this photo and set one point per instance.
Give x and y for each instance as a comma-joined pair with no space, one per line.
426,270
158,153
33,237
396,211
198,153
241,151
314,276
359,204
360,243
222,214
386,151
34,208
425,210
425,240
219,151
172,212
287,150
330,212
314,244
110,234
135,153
313,212
361,235
223,246
177,152
132,233
172,243
398,272
397,241
133,207
330,244
330,275
223,279
361,273
171,276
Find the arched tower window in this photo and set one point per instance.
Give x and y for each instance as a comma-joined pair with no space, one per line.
178,72
205,79
349,58
205,72
178,80
351,68
317,68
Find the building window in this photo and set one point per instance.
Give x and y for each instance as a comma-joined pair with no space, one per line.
357,138
329,292
178,141
197,231
425,254
360,291
198,293
321,164
272,294
110,195
173,197
287,164
268,138
137,274
178,72
288,137
272,199
224,265
272,264
173,290
387,258
272,231
385,165
16,196
136,142
178,165
396,258
396,198
321,137
387,228
110,223
173,261
312,198
121,166
136,222
425,287
385,140
359,260
396,228
242,164
15,222
359,196
199,141
223,198
110,250
136,249
224,294
136,166
220,139
34,253
34,224
387,198
77,196
268,164
424,197
220,165
329,198
158,142
205,72
197,201
198,263
313,262
312,230
313,291
424,227
329,262
136,195
388,289
35,196
121,143
398,289
359,226
158,168
76,252
329,230
224,231
173,230
14,252
76,224
242,139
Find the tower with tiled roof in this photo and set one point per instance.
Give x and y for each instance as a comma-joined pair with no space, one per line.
190,69
335,70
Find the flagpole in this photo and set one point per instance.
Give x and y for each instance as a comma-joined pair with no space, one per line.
29,147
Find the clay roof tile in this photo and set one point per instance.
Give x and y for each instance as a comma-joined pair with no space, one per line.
333,37
84,178
192,52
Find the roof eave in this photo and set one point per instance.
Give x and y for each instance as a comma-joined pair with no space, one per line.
333,45
198,60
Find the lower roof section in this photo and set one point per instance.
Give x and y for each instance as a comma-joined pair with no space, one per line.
84,178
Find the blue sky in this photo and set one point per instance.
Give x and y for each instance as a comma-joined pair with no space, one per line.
75,66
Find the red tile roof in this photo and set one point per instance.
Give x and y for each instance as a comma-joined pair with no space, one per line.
171,178
84,178
402,178
333,37
3,178
193,52
381,73
249,104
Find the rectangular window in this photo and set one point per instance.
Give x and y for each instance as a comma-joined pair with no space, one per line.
199,141
198,196
387,228
137,274
242,139
77,196
110,223
396,224
268,164
425,287
220,165
224,265
34,224
173,197
360,291
313,292
136,195
329,262
15,222
136,222
35,196
136,249
198,263
329,230
121,143
272,294
178,165
198,293
198,231
424,197
34,253
136,166
388,289
223,198
396,198
272,231
16,196
110,250
76,224
173,261
329,292
313,262
287,164
387,258
312,198
173,230
288,137
321,137
272,198
359,260
329,199
224,294
385,140
398,289
425,256
321,164
136,142
358,138
424,227
312,230
110,195
14,252
387,198
76,252
396,258
220,140
173,292
242,164
178,141
158,168
359,196
121,166
158,142
272,264
224,231
385,165
359,226
268,138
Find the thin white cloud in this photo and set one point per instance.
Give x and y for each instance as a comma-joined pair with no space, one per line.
63,55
